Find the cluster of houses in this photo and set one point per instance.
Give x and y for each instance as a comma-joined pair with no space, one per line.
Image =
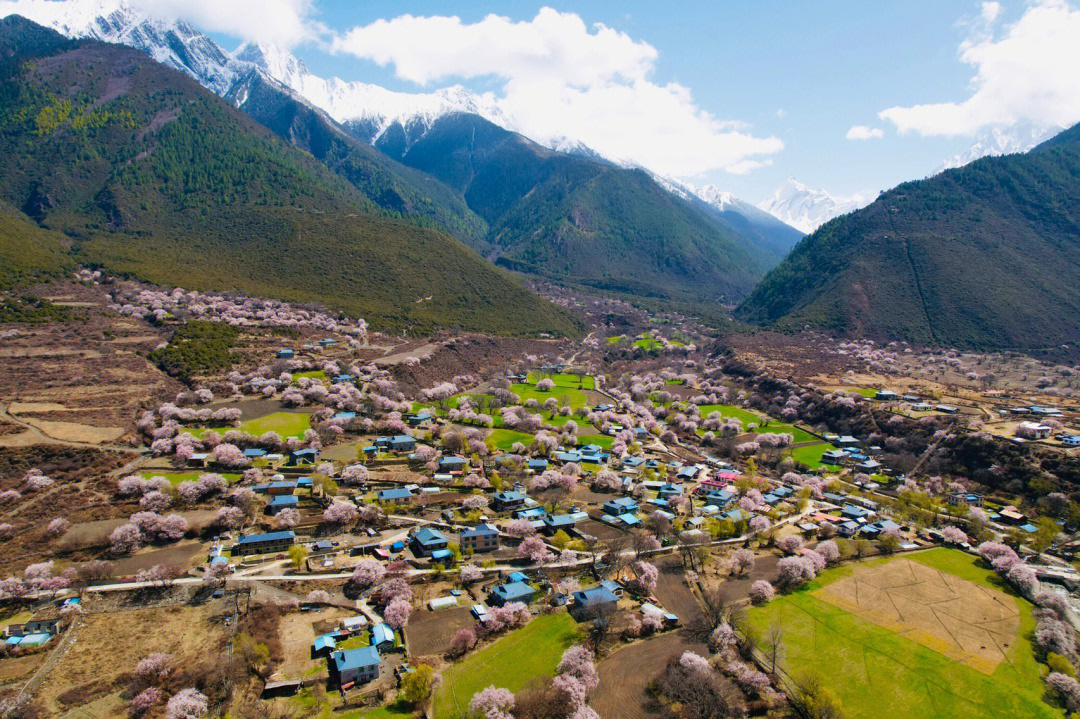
40,629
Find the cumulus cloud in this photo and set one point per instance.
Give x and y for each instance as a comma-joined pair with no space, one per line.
562,78
1027,72
862,132
281,22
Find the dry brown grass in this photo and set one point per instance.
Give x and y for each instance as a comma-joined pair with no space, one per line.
964,621
108,646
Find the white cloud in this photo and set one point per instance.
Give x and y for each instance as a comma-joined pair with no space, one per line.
1027,74
281,22
990,11
562,78
862,132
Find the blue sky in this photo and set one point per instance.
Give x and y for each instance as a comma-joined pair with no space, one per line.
823,66
852,97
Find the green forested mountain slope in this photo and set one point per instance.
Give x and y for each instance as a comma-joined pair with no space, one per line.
144,171
579,220
397,189
984,256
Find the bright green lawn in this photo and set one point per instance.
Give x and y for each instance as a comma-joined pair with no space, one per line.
510,662
603,440
504,439
565,395
176,478
876,672
729,410
313,374
565,380
287,424
397,710
810,455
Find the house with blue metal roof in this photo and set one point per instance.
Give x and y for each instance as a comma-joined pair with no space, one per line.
590,603
719,498
880,527
480,538
382,635
396,495
350,667
620,505
688,474
567,457
254,453
633,462
503,501
554,522
452,464
512,592
669,491
346,416
537,465
532,513
401,443
420,417
264,543
304,483
323,645
425,541
285,354
518,577
299,457
282,502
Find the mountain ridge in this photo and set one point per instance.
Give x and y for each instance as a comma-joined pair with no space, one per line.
984,257
177,187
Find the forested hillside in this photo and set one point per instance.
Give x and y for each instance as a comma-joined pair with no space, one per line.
397,189
984,256
143,171
578,220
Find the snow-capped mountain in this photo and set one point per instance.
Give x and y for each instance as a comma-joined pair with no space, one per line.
175,44
769,234
360,104
180,46
1000,141
805,209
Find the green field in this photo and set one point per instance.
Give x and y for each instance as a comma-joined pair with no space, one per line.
565,395
287,424
603,440
730,410
176,478
510,662
874,671
810,455
313,374
573,381
504,439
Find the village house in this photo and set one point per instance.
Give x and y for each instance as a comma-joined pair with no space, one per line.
511,592
622,505
396,495
591,603
350,667
426,541
555,522
506,501
264,543
480,538
282,502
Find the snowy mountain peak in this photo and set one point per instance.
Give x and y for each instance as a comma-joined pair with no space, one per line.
806,209
996,141
275,62
720,199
